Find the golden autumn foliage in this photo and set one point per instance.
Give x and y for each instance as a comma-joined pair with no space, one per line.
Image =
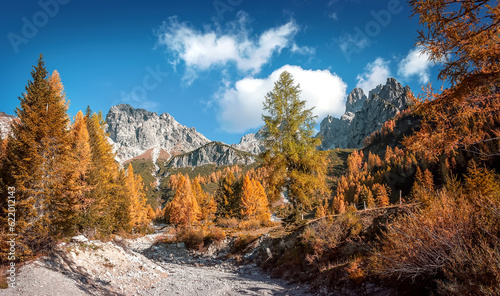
465,36
135,202
381,194
321,210
227,197
206,202
370,180
65,175
254,203
452,243
37,164
184,208
81,161
423,187
151,212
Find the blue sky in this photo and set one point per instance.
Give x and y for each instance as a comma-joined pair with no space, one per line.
209,63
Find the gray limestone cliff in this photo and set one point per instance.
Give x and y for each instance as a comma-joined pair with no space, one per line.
5,121
363,115
252,143
135,131
212,153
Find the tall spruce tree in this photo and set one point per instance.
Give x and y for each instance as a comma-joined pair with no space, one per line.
80,164
184,208
137,215
105,179
296,168
227,196
36,162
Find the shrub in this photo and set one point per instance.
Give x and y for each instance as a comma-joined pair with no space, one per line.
192,237
325,235
356,271
228,222
452,243
196,238
214,235
241,242
250,224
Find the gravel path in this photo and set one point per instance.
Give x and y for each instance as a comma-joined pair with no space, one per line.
137,267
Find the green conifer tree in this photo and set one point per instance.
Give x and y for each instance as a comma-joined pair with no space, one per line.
296,168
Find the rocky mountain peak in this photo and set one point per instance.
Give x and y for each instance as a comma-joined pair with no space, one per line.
363,115
135,131
355,100
252,143
392,92
215,153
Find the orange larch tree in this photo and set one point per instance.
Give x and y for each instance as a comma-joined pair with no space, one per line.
206,202
183,209
135,197
37,157
254,203
465,37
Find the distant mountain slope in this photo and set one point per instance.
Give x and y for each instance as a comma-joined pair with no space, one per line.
5,120
363,115
252,143
215,153
135,131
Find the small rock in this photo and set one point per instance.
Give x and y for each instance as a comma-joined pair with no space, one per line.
79,239
181,245
269,254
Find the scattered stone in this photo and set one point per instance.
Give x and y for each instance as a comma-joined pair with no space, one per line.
269,254
79,239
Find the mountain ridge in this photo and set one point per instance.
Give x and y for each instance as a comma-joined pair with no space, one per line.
364,115
134,131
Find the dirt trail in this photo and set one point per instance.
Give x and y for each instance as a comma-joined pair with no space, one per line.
137,267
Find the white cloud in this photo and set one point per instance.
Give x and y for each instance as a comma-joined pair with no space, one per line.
333,16
416,63
347,42
241,105
215,47
375,73
304,50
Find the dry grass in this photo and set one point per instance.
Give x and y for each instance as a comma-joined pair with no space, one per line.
451,245
249,224
228,222
198,237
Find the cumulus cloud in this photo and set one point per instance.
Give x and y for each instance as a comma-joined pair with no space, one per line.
416,63
375,73
349,42
201,50
304,50
240,106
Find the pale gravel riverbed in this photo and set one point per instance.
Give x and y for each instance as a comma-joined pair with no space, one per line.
97,268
